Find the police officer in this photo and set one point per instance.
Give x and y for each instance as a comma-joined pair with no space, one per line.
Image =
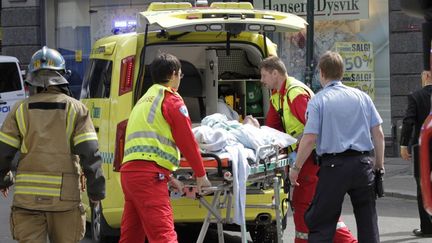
342,122
159,128
287,113
57,143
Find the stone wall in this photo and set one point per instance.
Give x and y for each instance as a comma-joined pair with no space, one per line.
21,27
406,65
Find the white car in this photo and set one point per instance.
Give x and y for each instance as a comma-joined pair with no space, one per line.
11,85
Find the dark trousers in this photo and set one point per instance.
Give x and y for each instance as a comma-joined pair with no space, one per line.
339,175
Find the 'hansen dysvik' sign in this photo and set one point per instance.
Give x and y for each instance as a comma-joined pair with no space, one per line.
324,9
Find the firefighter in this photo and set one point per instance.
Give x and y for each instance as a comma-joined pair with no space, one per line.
57,143
159,128
287,113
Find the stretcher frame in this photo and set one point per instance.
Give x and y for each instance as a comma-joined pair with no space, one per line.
267,167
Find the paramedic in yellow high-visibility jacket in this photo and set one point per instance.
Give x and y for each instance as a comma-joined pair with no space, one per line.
159,128
57,143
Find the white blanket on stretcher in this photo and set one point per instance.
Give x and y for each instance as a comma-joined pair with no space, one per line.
238,142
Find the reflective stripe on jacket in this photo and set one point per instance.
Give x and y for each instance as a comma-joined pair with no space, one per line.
290,123
148,135
46,127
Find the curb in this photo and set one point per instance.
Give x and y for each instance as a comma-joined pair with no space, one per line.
400,195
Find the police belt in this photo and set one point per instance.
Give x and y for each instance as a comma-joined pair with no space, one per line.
346,153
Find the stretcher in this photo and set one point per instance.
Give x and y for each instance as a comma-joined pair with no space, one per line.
269,167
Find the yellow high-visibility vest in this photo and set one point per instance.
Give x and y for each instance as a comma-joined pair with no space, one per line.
291,124
148,134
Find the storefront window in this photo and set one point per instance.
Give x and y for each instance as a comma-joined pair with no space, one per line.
358,30
78,24
73,38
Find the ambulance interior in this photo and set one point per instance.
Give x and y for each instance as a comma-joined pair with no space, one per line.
212,72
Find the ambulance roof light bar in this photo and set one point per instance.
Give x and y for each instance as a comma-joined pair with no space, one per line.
201,3
232,5
164,6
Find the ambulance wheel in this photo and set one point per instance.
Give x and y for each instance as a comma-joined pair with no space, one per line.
263,233
97,223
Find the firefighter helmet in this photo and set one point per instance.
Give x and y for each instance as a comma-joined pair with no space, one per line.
44,66
47,58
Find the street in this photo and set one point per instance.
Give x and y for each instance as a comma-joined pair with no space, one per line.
397,218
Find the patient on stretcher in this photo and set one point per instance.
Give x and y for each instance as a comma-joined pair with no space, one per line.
217,132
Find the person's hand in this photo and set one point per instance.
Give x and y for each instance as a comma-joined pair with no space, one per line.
293,175
5,192
405,153
202,183
95,202
176,184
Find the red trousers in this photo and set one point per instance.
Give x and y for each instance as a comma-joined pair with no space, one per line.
147,210
302,197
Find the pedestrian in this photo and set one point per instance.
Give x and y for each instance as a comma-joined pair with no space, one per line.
287,113
341,122
158,127
57,142
417,111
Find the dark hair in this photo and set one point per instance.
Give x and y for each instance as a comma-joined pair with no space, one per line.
331,65
273,63
163,66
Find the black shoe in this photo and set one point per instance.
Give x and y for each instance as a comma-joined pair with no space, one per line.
419,233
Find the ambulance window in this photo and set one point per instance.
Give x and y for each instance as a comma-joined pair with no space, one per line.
9,77
97,80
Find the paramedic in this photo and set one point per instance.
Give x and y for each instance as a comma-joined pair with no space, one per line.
158,127
342,122
58,142
287,113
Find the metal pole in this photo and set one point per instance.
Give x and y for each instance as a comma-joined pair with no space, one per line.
276,191
309,42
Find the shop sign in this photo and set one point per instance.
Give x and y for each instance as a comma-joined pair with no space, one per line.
358,56
324,9
358,61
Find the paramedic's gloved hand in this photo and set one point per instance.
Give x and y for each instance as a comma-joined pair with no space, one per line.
202,183
176,184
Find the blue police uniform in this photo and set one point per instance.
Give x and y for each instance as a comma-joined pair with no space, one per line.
342,118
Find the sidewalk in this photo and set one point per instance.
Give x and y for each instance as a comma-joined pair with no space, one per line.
398,179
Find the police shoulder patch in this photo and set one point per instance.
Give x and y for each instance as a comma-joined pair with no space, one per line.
184,111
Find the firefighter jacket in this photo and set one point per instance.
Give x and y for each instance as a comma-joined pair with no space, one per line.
55,135
148,134
291,124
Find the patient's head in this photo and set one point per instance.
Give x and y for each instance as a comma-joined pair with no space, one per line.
251,121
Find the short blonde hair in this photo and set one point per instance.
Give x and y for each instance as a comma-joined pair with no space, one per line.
331,65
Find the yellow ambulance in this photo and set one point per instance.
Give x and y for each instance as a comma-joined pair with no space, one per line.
220,48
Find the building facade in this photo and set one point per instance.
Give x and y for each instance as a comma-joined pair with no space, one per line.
382,46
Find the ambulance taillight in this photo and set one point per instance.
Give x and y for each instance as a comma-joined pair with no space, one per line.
126,74
119,146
